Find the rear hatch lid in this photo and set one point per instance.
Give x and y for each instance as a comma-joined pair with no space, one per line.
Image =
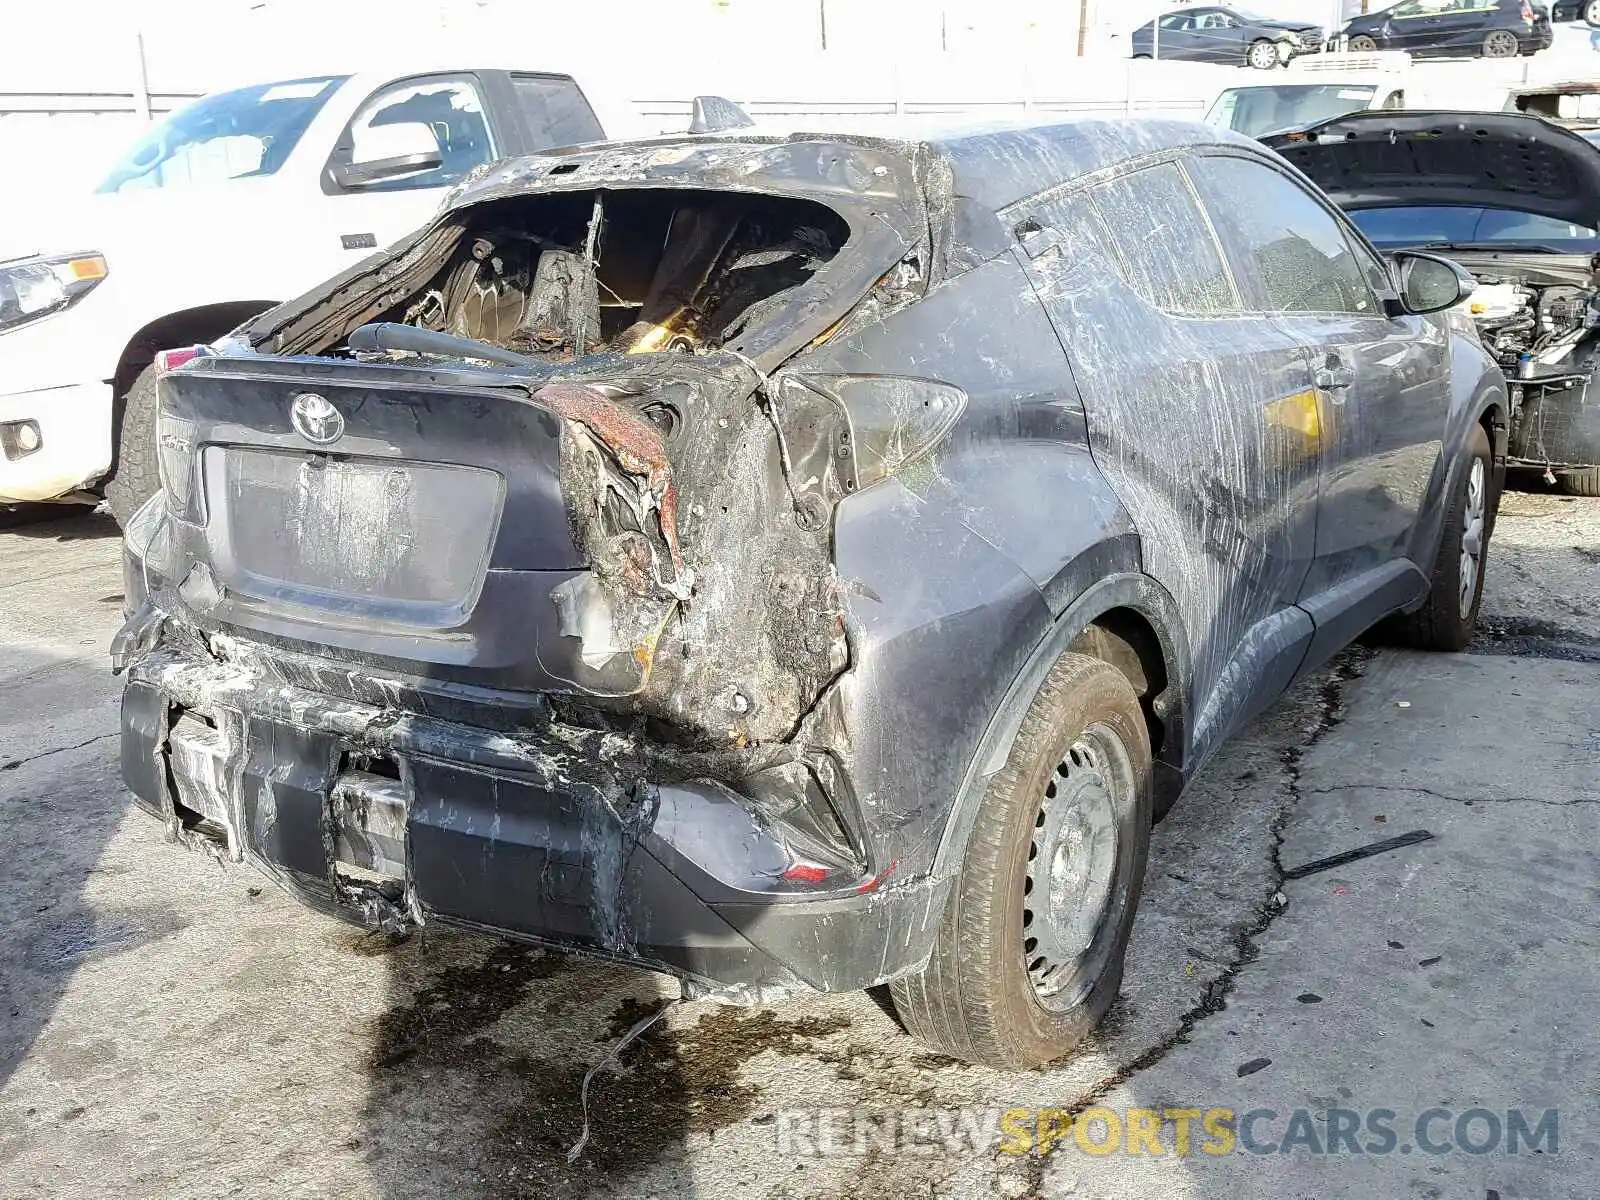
411,519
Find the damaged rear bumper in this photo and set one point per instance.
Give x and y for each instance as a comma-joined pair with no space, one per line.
398,819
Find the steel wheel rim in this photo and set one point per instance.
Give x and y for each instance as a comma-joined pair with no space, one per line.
1500,45
1472,529
1266,53
1591,12
1070,884
1365,45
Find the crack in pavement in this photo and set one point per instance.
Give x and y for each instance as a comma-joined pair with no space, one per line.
1467,800
13,764
1330,713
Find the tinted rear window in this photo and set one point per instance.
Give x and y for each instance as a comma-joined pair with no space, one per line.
556,112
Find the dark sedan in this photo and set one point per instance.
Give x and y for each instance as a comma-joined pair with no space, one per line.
1225,35
1576,10
1454,29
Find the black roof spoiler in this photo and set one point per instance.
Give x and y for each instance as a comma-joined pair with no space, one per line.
714,114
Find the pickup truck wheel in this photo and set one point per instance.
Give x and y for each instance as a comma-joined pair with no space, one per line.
1030,950
135,477
1580,483
1449,615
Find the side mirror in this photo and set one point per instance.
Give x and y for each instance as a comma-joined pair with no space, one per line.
389,151
1428,283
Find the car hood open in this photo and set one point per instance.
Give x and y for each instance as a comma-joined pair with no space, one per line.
1485,160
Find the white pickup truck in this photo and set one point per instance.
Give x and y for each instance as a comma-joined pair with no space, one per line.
242,200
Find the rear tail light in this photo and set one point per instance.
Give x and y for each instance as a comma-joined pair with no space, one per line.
894,422
171,360
1527,13
175,439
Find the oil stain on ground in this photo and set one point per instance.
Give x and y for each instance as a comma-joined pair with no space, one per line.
459,1107
1525,637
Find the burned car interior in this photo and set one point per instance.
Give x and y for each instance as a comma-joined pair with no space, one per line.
558,277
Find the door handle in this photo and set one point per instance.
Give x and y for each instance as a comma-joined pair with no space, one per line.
1334,376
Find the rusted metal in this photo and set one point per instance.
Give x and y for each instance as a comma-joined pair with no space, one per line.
636,444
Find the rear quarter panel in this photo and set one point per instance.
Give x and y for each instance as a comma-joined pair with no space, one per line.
955,570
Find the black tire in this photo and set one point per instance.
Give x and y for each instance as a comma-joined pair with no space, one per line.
1501,43
1362,44
135,477
1141,58
1444,622
1255,51
1580,483
976,999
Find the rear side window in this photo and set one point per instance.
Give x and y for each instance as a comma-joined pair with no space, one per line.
1169,253
1283,240
556,112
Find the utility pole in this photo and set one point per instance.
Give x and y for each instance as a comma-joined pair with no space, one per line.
822,21
141,91
1083,27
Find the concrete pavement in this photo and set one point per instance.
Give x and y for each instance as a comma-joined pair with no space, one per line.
172,1026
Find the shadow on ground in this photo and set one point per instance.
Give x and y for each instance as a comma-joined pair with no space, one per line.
59,806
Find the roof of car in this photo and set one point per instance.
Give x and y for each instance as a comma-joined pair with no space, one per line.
995,164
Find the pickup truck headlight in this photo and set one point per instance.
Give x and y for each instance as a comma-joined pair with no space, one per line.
31,288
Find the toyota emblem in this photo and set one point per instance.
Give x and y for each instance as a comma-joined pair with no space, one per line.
315,419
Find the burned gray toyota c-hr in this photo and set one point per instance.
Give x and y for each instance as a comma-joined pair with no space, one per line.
798,562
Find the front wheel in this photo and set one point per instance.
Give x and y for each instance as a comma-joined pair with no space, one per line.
135,477
1362,44
1449,616
1030,950
1262,55
1591,14
1501,43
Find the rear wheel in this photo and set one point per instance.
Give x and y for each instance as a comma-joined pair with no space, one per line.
1501,43
1029,954
1262,55
1362,44
135,477
1581,483
1449,616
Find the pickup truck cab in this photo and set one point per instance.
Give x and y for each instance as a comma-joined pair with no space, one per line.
227,207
